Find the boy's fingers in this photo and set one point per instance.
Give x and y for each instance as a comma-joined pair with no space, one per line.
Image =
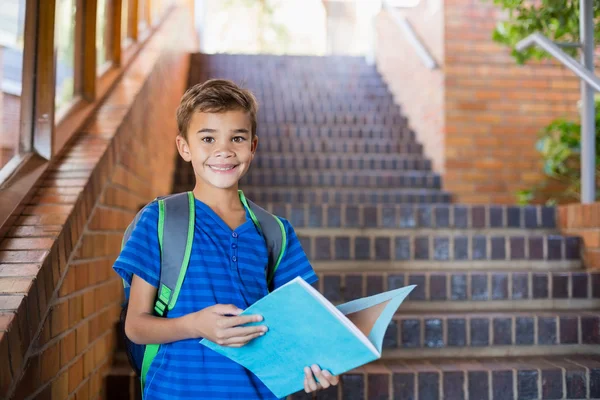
311,380
306,388
333,380
241,340
237,332
240,320
227,309
319,375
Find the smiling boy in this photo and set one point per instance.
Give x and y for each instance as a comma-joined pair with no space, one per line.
226,273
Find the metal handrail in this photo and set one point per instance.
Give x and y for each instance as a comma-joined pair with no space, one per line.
412,37
567,60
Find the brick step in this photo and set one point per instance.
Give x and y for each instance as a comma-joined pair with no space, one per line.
494,334
522,378
364,118
416,216
308,105
350,146
381,134
346,162
472,290
345,195
376,244
355,179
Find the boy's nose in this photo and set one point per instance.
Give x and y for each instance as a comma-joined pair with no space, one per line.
224,152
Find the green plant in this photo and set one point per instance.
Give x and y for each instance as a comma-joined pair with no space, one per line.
555,19
560,146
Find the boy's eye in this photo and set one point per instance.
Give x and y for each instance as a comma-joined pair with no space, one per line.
208,139
238,139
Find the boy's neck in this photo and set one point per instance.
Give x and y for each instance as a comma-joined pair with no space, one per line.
215,198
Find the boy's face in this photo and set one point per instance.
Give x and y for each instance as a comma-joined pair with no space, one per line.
220,147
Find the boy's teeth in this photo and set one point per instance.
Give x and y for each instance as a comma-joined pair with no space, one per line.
222,168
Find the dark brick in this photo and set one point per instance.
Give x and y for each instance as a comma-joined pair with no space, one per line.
334,217
457,332
395,281
572,248
569,330
520,286
554,244
404,386
441,248
502,385
498,248
540,285
332,287
374,284
480,332
576,385
531,217
478,217
479,287
496,217
315,216
388,217
579,285
402,248
478,385
342,248
524,331
536,248
590,330
411,333
390,338
352,216
517,248
434,333
429,386
437,287
418,293
548,217
422,248
407,217
461,248
552,387
353,287
297,218
378,385
382,248
527,385
595,383
596,285
442,216
458,287
502,331
370,216
306,244
353,386
547,330
331,393
424,217
461,218
362,248
499,286
560,285
513,217
323,248
479,247
454,382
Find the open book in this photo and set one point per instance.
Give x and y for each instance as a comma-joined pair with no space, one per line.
305,329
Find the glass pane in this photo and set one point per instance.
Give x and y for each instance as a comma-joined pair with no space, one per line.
103,41
12,26
142,15
64,43
125,21
156,11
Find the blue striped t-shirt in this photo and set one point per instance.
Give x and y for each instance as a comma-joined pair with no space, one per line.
226,267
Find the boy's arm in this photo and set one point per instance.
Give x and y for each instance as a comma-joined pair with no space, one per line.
213,323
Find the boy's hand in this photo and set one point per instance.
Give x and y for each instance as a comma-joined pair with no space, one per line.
324,377
220,324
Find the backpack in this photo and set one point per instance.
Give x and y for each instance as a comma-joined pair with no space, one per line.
175,236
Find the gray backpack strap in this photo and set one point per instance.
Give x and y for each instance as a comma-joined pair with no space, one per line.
175,234
274,233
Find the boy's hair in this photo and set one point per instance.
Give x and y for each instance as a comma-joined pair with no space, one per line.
215,96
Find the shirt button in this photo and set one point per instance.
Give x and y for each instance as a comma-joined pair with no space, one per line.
234,258
234,234
234,246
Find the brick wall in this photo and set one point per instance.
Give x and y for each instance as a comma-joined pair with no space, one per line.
583,220
59,299
492,109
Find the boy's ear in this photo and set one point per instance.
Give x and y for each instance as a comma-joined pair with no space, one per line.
183,148
254,144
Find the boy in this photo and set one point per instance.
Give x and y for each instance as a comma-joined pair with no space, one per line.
226,273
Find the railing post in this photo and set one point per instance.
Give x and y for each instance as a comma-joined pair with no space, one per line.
588,122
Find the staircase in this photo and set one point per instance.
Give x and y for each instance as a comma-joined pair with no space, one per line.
503,308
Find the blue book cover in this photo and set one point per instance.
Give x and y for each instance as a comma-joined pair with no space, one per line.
304,328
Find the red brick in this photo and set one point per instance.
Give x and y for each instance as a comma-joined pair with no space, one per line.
50,362
23,257
5,368
15,285
15,270
27,244
75,375
60,386
67,349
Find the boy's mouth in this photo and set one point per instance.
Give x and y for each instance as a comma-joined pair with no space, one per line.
223,168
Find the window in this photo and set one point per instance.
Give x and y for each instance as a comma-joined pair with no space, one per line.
125,31
103,33
142,15
157,11
64,44
12,26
